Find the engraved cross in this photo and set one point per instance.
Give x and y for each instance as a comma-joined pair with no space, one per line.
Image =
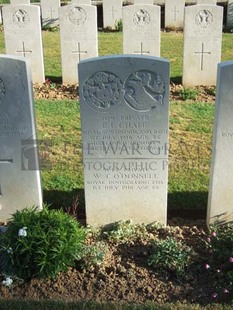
141,52
51,11
79,52
24,51
5,161
175,12
113,11
202,53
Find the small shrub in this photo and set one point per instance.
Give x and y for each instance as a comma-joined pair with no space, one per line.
189,93
170,255
41,244
93,255
126,232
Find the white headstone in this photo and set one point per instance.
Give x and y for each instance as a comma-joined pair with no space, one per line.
220,200
112,12
1,15
141,30
202,44
207,2
49,10
80,2
174,13
20,184
143,1
19,1
230,15
22,31
78,30
124,114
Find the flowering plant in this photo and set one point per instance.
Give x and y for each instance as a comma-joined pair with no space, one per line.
219,263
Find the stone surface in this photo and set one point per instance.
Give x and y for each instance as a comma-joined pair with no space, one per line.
22,31
143,1
1,15
112,12
19,1
20,184
141,30
202,44
49,11
207,2
220,201
230,15
77,2
78,31
124,115
174,13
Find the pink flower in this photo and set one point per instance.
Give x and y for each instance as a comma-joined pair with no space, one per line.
207,266
225,291
214,295
208,239
231,259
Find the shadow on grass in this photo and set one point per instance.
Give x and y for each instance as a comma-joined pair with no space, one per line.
176,79
54,79
73,202
187,205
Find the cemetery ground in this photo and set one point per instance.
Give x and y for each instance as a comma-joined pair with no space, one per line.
116,263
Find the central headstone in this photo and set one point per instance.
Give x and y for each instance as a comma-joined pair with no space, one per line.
124,112
20,184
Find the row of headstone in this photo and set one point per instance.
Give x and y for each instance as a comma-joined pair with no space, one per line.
141,36
174,11
124,104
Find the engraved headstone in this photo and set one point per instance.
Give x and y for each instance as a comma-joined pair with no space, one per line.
49,11
220,200
174,13
124,114
230,15
20,184
78,31
19,1
202,44
80,2
112,12
207,2
141,30
22,31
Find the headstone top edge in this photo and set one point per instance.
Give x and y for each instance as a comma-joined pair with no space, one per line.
14,57
122,57
224,64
